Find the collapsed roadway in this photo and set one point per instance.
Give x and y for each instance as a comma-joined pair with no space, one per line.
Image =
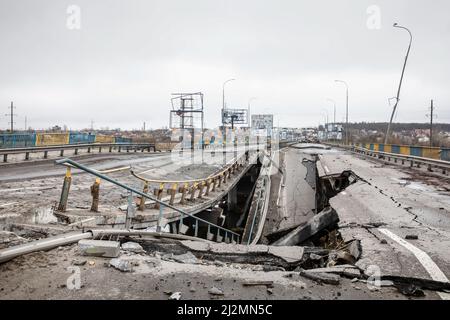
310,222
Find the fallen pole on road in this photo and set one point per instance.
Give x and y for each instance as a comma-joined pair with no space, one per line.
42,245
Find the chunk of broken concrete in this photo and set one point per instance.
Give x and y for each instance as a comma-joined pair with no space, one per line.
78,262
99,248
325,219
289,254
216,291
122,265
187,257
320,277
344,270
132,247
355,249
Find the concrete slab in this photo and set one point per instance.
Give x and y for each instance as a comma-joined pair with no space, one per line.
99,248
289,254
196,245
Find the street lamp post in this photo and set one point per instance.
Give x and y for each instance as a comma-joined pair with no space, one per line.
248,110
334,116
224,130
326,123
346,112
223,95
397,99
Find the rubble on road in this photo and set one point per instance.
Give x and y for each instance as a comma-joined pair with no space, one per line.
187,257
326,219
258,283
78,262
99,248
122,265
348,271
321,277
216,291
246,253
132,247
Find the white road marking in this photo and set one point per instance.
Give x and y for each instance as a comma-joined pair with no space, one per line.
429,265
8,204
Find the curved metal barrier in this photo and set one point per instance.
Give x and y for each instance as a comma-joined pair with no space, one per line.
190,187
211,226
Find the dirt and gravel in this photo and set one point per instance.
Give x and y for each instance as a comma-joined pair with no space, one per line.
45,275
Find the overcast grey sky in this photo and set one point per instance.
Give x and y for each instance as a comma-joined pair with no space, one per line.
121,66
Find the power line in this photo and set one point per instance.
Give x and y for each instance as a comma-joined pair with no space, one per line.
431,116
11,114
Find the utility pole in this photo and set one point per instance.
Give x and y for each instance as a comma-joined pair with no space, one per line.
431,123
11,115
346,112
144,126
25,123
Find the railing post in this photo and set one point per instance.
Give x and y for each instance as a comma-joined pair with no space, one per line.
142,202
130,211
209,235
193,188
182,228
196,228
45,154
183,193
200,188
158,194
65,191
160,216
208,185
172,191
95,192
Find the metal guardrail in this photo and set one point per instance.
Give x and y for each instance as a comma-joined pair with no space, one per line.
234,236
76,147
413,160
186,187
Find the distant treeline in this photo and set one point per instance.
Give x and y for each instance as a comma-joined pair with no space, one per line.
381,126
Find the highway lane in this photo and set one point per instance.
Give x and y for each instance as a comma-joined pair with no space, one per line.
397,202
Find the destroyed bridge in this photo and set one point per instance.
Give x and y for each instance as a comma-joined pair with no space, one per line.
299,221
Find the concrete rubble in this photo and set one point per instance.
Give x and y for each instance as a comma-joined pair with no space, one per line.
328,218
216,291
187,257
122,265
321,277
99,248
288,254
132,247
